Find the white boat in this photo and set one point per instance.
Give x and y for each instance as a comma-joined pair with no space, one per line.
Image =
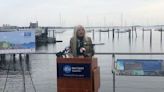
122,30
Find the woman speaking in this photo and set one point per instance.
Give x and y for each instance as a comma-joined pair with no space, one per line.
80,44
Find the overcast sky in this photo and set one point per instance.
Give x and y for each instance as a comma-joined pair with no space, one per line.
85,12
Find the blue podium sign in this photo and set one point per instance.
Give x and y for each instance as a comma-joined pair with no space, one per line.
140,67
73,70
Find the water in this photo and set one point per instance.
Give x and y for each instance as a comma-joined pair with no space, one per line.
43,67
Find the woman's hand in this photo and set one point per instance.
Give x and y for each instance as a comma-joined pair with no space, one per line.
82,50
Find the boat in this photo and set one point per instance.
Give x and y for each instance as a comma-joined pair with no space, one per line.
122,30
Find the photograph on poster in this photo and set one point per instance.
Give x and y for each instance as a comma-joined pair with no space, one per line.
17,42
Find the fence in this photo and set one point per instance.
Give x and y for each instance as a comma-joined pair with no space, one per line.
113,54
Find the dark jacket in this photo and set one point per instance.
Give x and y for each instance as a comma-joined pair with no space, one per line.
87,45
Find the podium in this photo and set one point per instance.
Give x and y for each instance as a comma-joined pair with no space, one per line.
78,75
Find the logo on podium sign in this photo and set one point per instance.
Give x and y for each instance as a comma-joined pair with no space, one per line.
67,69
73,70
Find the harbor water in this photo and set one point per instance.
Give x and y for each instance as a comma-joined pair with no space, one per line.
43,66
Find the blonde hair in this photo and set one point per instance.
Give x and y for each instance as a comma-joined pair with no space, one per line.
76,29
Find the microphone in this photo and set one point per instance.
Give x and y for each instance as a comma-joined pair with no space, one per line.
63,52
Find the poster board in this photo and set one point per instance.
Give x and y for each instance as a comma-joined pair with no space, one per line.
139,67
17,42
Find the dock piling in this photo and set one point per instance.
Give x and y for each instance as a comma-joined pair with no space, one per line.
150,39
28,62
53,33
135,29
132,31
143,33
0,60
100,34
113,33
93,34
129,34
118,33
3,59
161,34
46,32
108,32
14,62
150,36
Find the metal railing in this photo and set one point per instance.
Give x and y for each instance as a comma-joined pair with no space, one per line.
113,54
123,53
